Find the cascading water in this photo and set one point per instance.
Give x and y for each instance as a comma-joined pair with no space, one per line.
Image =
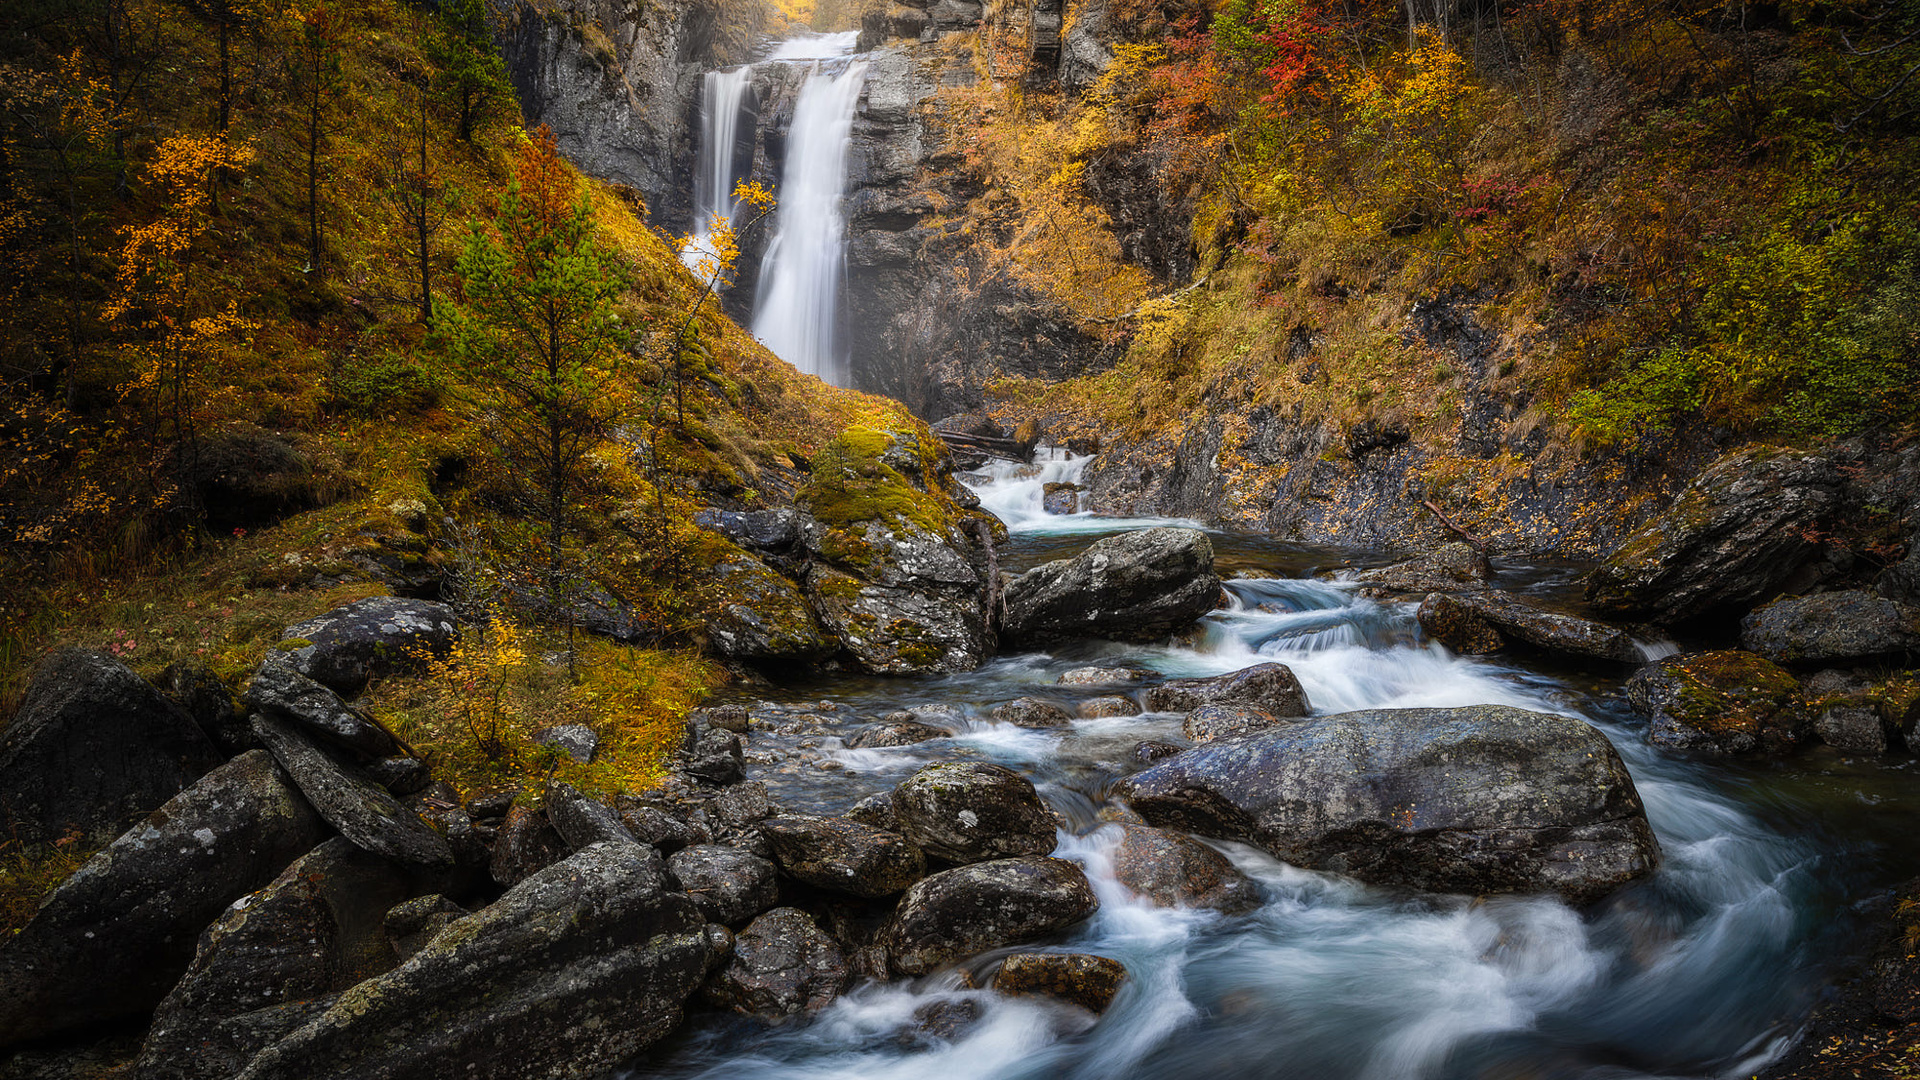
798,305
722,97
1704,969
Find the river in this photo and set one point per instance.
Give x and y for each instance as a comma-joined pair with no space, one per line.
1707,968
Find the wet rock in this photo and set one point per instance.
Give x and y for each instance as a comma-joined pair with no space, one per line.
577,741
314,931
1727,702
761,617
742,805
716,758
735,718
1868,1023
1101,707
349,645
1738,533
875,810
1138,586
285,694
1853,628
967,812
946,1019
525,845
582,821
93,748
1448,568
1211,723
601,940
1060,498
729,885
115,936
782,965
968,910
1481,799
1269,687
1845,716
410,924
1030,712
653,825
1175,870
1150,751
1468,618
895,733
197,690
1090,982
362,810
1105,676
842,855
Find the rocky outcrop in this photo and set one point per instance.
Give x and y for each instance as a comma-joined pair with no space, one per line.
763,617
572,972
1848,628
844,856
114,938
782,965
1268,687
1138,586
966,911
728,885
1448,568
966,812
1728,702
345,647
1484,622
93,748
1740,532
362,810
1483,799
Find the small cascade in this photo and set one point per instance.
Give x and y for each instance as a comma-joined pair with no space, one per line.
799,299
726,96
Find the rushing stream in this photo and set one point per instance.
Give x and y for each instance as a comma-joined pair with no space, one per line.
1705,969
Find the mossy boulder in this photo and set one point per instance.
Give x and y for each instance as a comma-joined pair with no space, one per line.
1447,568
1728,702
1174,870
966,911
782,965
1091,982
1483,622
1138,586
970,811
1851,627
761,617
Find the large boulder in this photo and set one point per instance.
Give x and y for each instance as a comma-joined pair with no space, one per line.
1728,702
1448,568
1740,532
1031,712
1138,586
1175,870
345,647
1845,628
572,972
94,748
284,694
844,856
362,810
782,965
729,886
272,960
114,938
1482,799
1483,622
1091,982
966,812
1268,687
761,617
968,910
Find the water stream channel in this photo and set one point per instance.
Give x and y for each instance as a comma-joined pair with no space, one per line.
1705,969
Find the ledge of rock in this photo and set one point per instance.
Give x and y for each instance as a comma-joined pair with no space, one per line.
1138,586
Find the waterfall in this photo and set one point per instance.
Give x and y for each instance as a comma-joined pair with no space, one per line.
798,303
722,96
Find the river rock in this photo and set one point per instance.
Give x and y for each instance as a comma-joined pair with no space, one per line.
782,965
1030,712
1111,705
1448,568
93,747
654,825
362,810
1151,750
1728,702
582,821
115,936
1849,628
349,645
1470,622
1138,586
1090,982
1060,498
1175,870
761,617
1481,799
729,885
1269,687
845,856
285,694
525,844
968,910
966,812
1105,676
1211,723
875,810
1741,531
716,757
572,972
895,733
315,930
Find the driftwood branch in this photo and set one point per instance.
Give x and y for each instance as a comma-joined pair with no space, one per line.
1454,527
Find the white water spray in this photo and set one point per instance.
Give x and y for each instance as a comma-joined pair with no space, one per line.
798,305
722,95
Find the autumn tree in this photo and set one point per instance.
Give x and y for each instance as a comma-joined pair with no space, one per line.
472,78
228,18
319,74
417,192
535,330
